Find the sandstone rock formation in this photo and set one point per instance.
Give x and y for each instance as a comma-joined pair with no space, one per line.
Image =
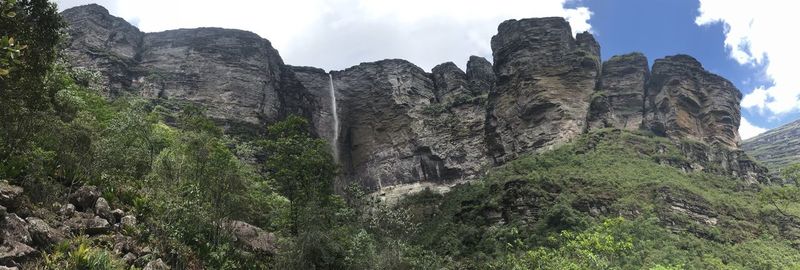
235,75
544,80
687,102
401,125
619,99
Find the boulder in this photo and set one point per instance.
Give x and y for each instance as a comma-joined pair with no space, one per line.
103,210
118,214
9,195
157,264
43,235
128,222
85,197
13,252
3,211
129,258
14,228
88,223
251,238
68,210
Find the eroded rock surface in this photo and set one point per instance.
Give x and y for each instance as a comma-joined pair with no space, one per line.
401,125
544,80
685,101
235,75
619,99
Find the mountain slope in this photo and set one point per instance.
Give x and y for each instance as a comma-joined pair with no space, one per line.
776,148
612,187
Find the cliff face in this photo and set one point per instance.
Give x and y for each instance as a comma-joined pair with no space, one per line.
236,75
686,101
619,99
402,126
544,80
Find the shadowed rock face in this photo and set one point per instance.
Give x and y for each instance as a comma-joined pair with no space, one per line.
686,101
619,99
399,124
236,75
544,81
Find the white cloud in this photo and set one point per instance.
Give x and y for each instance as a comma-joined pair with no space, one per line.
336,34
756,34
747,130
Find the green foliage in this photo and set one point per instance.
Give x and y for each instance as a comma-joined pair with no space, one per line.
78,254
302,167
595,248
791,173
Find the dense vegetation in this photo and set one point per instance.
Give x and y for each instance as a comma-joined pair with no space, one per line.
602,202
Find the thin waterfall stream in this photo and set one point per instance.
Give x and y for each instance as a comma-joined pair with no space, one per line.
335,113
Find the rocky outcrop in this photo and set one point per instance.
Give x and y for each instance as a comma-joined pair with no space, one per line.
685,101
545,78
252,238
84,198
619,99
102,42
235,75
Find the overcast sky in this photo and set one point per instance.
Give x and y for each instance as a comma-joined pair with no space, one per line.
743,41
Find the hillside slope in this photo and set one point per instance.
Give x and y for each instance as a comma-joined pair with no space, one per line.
776,148
612,187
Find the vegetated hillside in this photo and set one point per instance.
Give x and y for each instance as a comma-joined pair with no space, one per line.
607,201
136,182
776,148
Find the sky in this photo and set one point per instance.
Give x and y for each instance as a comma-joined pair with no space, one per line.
743,41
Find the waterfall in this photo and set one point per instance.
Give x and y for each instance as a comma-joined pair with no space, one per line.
335,113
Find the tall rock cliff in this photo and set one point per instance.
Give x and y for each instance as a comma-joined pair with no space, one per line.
544,80
236,75
686,101
619,99
402,126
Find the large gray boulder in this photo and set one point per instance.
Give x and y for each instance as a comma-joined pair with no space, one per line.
9,195
14,228
14,253
85,197
42,234
103,210
88,223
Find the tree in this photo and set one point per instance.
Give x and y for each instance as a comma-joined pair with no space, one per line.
302,167
791,173
29,34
